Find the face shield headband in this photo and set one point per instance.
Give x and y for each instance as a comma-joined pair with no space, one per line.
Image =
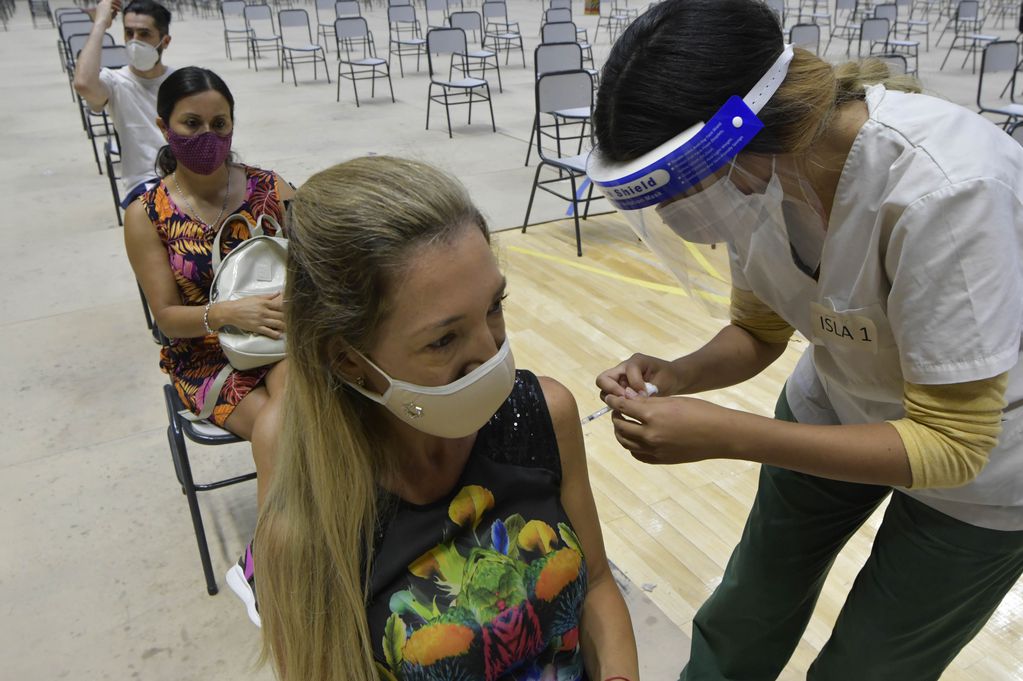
694,154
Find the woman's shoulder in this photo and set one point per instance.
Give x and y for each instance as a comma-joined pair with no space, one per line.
561,404
930,145
261,174
522,432
251,170
155,205
546,398
263,192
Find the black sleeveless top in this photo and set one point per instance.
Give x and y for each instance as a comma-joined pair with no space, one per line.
488,582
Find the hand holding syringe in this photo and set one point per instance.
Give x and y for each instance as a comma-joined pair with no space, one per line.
649,391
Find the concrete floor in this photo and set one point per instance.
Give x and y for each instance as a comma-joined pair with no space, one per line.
99,578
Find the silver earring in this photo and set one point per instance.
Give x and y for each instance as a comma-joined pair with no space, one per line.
360,381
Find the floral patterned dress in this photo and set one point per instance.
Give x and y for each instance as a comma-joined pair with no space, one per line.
193,363
488,583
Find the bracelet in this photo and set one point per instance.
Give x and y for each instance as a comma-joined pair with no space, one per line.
206,318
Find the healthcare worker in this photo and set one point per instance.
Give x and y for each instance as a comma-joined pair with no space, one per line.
885,226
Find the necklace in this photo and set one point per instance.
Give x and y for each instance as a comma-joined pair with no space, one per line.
227,195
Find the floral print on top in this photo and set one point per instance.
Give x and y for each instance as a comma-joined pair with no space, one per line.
487,583
193,363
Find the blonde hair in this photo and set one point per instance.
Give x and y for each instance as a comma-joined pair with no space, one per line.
812,93
353,229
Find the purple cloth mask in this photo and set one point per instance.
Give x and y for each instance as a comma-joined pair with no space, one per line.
202,154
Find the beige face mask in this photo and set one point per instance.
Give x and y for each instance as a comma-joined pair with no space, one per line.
454,410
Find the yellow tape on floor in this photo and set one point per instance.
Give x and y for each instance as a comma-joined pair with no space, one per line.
653,286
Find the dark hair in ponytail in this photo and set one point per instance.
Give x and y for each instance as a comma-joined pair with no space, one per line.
681,60
184,82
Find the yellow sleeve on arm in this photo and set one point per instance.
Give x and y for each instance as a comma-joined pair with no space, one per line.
949,430
752,314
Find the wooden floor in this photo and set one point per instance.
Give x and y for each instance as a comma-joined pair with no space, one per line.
673,527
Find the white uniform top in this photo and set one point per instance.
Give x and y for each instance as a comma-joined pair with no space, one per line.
132,105
921,279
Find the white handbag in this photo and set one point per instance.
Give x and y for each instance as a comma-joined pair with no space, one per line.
255,267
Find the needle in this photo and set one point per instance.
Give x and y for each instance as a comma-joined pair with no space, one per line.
650,390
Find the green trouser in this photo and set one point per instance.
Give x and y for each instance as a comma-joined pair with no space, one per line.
928,587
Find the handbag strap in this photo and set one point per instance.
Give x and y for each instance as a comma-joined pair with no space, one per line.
272,221
215,253
211,397
254,230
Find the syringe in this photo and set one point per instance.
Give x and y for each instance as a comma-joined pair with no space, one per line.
649,388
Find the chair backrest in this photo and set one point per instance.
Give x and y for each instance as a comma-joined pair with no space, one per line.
445,41
968,10
559,32
65,14
550,57
76,42
874,29
70,28
557,14
1000,56
778,7
294,20
845,5
807,36
401,14
347,8
353,31
325,12
495,10
564,90
466,20
294,25
398,3
233,13
889,11
113,56
555,4
259,19
437,6
347,28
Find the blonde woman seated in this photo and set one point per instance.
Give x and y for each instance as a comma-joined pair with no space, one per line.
431,515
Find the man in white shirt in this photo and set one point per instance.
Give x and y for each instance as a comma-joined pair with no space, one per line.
129,93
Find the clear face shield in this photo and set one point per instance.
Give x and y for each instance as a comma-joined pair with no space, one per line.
698,190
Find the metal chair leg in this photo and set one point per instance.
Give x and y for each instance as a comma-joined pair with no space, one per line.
429,100
490,103
184,470
575,215
532,195
447,110
532,135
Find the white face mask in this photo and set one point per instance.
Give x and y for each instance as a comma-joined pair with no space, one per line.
454,410
142,56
